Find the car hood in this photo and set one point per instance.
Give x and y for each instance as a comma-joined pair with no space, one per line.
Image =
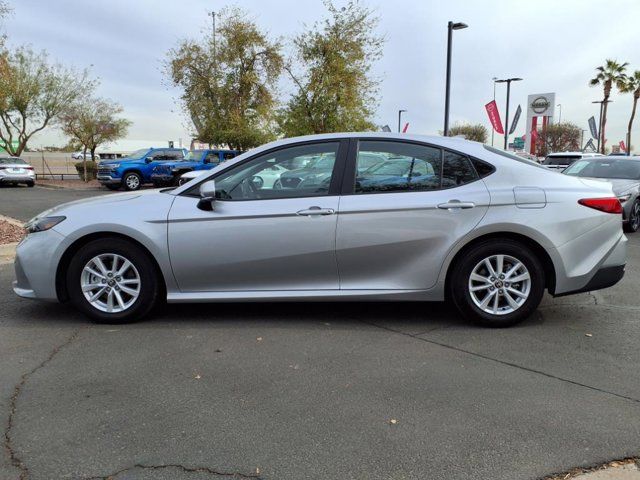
106,201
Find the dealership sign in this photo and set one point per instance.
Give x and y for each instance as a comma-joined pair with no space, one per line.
541,105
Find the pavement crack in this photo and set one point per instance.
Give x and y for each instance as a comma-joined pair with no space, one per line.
15,458
184,468
503,362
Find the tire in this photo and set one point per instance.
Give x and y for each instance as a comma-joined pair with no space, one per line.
471,304
30,184
112,186
634,218
142,270
132,181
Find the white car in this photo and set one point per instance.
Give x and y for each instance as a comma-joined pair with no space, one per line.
265,179
87,156
561,160
14,170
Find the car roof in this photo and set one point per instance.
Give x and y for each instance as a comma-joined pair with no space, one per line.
573,154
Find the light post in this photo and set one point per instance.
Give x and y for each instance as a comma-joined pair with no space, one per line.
506,117
494,99
450,28
400,112
560,115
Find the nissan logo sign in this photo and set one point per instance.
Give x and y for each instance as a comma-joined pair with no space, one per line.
540,105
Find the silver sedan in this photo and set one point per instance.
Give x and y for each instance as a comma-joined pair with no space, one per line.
448,219
624,175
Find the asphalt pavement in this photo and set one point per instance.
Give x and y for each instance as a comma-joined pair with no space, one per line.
317,391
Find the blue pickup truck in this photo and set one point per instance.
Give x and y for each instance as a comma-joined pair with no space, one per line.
168,173
135,170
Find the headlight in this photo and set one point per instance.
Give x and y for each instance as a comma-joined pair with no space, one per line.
113,166
42,224
623,198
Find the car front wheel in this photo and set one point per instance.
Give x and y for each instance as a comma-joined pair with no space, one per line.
498,283
113,280
132,181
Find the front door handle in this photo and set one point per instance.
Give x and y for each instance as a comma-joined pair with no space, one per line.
315,211
455,204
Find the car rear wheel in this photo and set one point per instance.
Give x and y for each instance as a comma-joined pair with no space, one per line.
112,186
498,283
132,181
30,184
634,218
113,281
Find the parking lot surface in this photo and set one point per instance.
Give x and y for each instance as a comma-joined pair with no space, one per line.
316,391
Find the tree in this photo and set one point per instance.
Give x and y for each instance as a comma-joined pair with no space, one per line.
612,73
228,82
331,71
91,122
33,95
631,84
476,132
558,137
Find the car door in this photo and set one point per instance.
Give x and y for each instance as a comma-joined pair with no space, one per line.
259,237
395,230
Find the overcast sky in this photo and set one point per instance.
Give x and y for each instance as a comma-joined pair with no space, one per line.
554,45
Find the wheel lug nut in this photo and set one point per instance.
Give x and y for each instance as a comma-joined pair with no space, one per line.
501,277
493,279
501,291
492,288
104,280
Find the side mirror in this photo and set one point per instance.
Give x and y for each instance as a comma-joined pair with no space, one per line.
148,160
207,195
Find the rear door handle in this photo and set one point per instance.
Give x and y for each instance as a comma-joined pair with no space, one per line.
456,204
315,211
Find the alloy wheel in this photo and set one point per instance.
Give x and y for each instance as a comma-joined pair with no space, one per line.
634,218
499,284
110,283
133,182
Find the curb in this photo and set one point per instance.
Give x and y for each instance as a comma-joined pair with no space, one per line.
7,253
12,221
59,187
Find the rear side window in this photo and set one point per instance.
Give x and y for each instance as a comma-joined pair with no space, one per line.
484,169
457,170
402,167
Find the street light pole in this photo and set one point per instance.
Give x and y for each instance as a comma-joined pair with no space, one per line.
506,119
494,99
400,112
450,28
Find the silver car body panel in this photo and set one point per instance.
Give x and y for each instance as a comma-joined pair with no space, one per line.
386,246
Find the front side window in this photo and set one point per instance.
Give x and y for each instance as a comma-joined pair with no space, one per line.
212,157
400,167
228,155
291,172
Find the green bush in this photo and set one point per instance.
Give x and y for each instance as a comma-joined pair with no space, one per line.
92,170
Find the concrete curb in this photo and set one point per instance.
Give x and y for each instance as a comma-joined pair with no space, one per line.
7,253
12,221
60,187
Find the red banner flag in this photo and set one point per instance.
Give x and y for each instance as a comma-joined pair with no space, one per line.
406,127
623,147
494,116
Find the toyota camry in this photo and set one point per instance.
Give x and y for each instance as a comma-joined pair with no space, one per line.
464,222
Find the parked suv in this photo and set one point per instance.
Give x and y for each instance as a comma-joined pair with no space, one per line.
135,170
560,161
168,173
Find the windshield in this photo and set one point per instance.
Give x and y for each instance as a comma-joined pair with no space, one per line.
613,169
139,154
393,167
12,161
511,156
322,163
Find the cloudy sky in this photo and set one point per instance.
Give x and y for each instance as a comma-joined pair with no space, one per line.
554,45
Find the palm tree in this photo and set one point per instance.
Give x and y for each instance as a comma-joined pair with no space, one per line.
611,73
632,85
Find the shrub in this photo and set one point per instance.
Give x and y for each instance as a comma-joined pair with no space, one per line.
92,170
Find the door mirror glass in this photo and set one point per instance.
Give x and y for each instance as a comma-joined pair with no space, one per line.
207,195
148,160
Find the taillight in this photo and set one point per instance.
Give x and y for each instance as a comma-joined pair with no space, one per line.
607,205
28,168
